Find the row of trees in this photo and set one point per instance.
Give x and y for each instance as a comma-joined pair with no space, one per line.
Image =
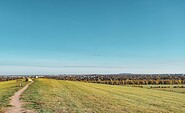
139,82
130,79
8,77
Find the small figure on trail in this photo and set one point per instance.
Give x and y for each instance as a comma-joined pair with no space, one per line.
20,82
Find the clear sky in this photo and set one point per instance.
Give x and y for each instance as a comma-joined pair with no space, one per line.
92,36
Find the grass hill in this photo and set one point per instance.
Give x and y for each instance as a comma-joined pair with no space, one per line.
49,95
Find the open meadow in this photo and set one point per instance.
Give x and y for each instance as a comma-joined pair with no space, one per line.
7,89
49,95
171,88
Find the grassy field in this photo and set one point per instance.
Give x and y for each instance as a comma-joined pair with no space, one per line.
170,88
7,89
48,95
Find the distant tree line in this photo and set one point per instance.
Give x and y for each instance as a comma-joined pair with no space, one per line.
15,77
130,79
9,77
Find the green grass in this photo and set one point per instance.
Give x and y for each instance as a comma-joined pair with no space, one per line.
48,95
178,90
7,89
171,89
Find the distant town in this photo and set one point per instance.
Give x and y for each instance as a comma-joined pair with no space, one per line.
113,79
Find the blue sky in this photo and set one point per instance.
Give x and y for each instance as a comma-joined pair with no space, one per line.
92,36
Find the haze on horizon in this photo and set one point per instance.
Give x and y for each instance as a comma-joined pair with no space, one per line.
85,37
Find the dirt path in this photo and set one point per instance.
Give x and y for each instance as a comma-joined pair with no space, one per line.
17,104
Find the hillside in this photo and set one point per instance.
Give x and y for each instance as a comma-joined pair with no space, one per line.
49,95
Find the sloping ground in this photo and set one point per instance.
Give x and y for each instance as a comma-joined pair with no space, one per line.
7,89
48,95
172,88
